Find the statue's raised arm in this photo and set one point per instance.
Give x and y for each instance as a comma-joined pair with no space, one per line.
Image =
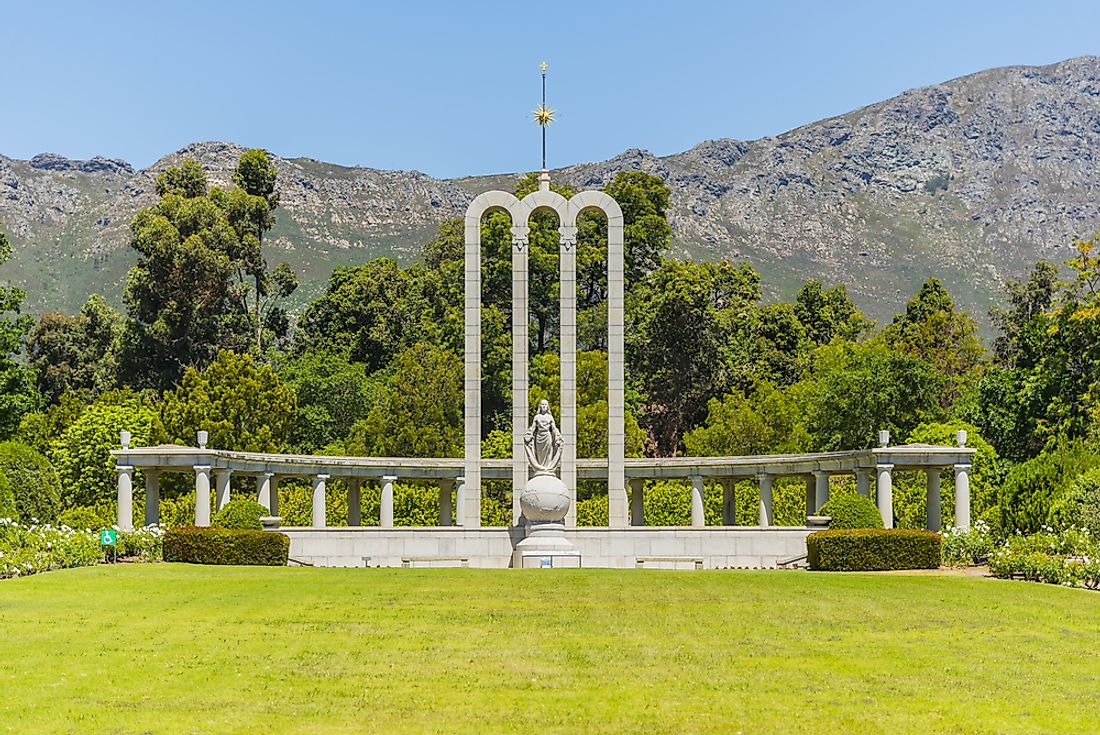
543,441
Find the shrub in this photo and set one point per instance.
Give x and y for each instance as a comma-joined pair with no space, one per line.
29,549
1056,557
1033,489
33,482
141,543
851,511
240,513
82,454
592,511
194,545
7,499
1079,506
85,518
966,548
873,549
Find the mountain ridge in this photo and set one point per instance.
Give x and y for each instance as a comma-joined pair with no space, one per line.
971,179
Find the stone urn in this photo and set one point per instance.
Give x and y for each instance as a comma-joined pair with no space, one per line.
545,499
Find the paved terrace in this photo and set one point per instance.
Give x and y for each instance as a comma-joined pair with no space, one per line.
267,469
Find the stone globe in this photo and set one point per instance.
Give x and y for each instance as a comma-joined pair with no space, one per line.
545,499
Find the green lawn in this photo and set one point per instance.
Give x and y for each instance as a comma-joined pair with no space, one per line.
177,649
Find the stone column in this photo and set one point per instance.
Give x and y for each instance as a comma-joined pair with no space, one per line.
567,339
445,487
698,519
616,363
811,495
319,519
765,517
125,497
962,496
863,482
274,495
221,482
520,343
152,496
263,490
202,494
355,503
460,501
932,499
469,513
729,501
385,513
637,501
821,490
885,487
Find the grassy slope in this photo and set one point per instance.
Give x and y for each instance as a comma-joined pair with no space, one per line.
176,649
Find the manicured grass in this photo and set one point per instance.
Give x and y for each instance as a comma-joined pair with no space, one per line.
180,649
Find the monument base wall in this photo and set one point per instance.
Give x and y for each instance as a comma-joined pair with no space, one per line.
717,547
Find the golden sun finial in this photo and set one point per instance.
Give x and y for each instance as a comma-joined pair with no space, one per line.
543,116
544,66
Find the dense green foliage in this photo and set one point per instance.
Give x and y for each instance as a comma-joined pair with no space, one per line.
18,395
1033,490
243,405
1070,557
82,452
240,513
7,499
851,511
200,263
33,483
77,353
193,545
873,550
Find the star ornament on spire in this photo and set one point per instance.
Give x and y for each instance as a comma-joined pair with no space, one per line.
543,116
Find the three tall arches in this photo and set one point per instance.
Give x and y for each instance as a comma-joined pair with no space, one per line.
468,511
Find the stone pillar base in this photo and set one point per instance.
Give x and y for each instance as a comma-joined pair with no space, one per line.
545,546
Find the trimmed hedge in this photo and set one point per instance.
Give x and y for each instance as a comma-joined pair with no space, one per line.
873,550
851,511
205,545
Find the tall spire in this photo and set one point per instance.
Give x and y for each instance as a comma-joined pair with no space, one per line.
543,114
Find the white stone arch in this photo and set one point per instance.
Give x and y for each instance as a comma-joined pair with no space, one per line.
468,510
616,380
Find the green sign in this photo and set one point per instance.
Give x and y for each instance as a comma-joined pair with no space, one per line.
107,537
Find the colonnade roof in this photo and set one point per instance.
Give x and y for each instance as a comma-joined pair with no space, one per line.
176,458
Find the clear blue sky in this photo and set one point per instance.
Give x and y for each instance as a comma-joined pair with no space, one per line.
447,87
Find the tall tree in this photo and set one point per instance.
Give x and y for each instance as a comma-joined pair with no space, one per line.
77,353
242,404
933,330
419,410
688,327
828,312
862,387
180,298
1023,325
18,395
251,207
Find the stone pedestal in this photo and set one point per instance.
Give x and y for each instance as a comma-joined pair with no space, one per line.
545,501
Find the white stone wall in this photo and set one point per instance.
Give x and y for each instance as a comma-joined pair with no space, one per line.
646,547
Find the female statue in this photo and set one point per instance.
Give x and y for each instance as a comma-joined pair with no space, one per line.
543,441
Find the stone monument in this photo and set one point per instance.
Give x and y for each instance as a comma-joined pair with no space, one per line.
545,499
565,453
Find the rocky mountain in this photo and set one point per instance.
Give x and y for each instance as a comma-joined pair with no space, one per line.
972,180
